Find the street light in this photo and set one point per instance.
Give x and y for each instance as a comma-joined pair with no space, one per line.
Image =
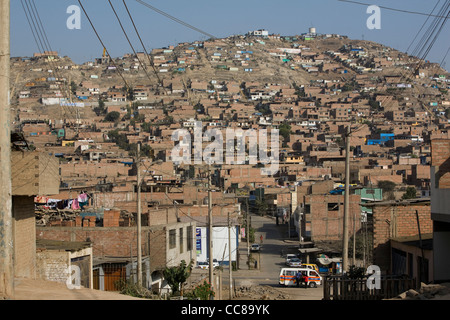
138,222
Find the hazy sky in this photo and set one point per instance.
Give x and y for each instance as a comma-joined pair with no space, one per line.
221,19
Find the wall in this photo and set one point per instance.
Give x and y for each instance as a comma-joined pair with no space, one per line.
34,173
24,236
324,224
393,221
440,207
121,241
52,265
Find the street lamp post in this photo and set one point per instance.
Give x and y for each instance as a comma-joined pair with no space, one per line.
138,218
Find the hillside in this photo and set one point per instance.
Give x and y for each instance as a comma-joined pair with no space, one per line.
244,62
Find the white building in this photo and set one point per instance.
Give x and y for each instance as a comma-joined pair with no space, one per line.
259,33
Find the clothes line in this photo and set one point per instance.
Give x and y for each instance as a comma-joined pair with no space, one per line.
76,203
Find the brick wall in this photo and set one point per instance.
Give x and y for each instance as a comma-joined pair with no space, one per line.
121,241
440,149
325,220
24,236
52,265
106,241
391,221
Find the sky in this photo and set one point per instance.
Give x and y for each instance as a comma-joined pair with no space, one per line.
221,19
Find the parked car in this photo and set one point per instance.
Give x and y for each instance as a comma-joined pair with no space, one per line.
290,256
205,264
255,247
295,262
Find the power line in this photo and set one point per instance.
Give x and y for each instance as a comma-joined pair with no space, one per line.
175,19
143,46
393,9
106,49
128,39
423,25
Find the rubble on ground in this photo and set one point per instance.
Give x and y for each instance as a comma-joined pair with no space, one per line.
427,292
260,293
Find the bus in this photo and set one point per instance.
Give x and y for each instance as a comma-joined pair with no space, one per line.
287,276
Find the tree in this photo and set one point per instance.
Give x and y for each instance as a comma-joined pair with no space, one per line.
388,188
113,116
203,291
100,109
261,207
386,185
285,130
177,276
410,193
73,87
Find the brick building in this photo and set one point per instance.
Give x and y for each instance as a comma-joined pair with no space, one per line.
440,207
399,222
323,219
32,173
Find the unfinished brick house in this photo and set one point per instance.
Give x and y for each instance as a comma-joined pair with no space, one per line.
440,207
165,242
395,223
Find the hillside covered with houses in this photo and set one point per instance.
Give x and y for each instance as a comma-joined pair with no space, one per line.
310,87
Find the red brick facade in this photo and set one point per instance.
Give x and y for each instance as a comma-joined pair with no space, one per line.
440,149
395,220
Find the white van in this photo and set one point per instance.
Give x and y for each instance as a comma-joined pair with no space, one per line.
288,277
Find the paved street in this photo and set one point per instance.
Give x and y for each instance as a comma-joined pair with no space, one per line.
270,261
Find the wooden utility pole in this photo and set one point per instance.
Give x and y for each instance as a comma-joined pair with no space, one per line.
210,231
247,232
346,202
138,218
229,258
6,221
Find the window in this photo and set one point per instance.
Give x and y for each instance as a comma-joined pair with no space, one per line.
172,238
181,240
333,206
307,208
189,244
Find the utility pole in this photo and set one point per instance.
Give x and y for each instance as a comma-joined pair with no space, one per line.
139,227
210,231
247,234
6,220
346,202
229,257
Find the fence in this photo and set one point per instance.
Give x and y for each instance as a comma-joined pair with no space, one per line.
343,288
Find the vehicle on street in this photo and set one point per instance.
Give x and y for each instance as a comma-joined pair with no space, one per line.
205,264
288,277
289,257
310,266
255,247
295,262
